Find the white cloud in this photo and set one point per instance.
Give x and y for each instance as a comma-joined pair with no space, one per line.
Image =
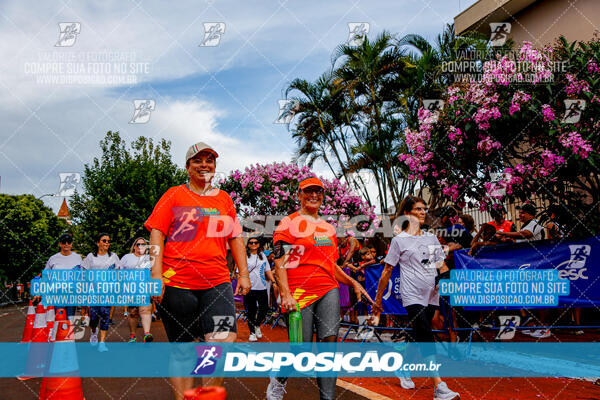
287,40
187,122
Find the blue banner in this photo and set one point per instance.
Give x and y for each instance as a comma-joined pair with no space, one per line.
392,302
101,287
302,360
575,260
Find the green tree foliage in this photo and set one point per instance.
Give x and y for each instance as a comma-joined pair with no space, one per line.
30,234
120,190
353,117
505,138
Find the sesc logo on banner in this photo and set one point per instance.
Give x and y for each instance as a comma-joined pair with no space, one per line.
574,268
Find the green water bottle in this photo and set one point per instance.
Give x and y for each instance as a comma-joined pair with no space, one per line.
296,325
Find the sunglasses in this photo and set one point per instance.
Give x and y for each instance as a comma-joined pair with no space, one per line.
253,242
140,244
317,191
105,241
66,242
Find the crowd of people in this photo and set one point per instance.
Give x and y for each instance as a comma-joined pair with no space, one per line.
305,266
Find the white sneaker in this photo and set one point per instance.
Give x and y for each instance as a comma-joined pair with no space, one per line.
258,333
442,392
252,338
406,382
579,332
541,334
102,347
275,390
94,339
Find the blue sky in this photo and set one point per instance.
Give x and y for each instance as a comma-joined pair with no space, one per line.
225,95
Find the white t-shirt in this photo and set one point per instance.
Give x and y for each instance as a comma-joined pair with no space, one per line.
58,261
101,262
418,258
256,269
131,261
534,227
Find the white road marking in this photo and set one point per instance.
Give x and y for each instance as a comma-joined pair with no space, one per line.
369,394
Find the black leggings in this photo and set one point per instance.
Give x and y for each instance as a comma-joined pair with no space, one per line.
257,305
420,318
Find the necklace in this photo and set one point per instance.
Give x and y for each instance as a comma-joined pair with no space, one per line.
255,263
198,191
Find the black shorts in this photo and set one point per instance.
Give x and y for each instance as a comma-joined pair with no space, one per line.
190,314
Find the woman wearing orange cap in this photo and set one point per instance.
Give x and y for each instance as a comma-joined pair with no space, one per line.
190,228
306,253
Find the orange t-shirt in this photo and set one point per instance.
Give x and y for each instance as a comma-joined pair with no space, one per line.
197,229
312,259
346,248
503,227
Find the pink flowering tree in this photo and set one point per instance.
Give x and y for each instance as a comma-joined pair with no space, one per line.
270,189
504,137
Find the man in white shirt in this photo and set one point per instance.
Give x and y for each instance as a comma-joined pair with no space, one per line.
532,230
65,259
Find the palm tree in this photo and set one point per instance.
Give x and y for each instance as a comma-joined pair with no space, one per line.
319,131
371,78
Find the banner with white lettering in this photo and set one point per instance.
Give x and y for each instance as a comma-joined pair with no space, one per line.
575,260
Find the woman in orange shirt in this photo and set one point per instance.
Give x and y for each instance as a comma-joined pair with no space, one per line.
306,255
190,228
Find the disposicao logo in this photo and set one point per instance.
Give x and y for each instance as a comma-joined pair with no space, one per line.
207,359
306,361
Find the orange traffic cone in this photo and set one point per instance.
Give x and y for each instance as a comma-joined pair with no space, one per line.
206,393
40,330
28,323
63,382
38,350
50,323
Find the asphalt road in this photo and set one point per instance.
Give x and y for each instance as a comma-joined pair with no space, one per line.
12,320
